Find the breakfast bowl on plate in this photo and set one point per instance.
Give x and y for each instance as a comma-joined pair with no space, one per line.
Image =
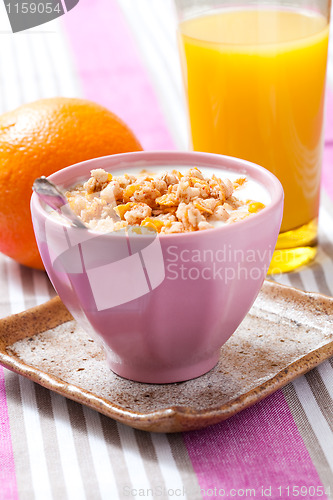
173,252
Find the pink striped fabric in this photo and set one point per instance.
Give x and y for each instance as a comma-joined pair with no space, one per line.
259,447
8,489
115,76
252,449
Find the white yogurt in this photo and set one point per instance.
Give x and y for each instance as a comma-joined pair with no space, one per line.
98,218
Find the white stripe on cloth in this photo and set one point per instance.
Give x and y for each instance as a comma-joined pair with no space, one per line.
43,81
25,64
68,456
326,223
99,452
168,467
62,65
134,462
40,287
38,65
11,91
37,459
309,280
160,56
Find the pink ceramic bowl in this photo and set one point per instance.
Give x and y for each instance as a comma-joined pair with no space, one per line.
161,306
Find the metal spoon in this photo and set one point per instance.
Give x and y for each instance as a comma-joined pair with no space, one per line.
52,195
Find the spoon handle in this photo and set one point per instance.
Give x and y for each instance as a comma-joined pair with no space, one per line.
50,194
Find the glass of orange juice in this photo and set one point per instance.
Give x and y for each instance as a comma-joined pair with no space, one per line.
254,74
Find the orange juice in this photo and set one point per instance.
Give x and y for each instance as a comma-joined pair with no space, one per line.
255,82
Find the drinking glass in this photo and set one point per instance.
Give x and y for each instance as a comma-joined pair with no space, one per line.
254,73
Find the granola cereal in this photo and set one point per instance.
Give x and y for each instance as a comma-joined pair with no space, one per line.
167,202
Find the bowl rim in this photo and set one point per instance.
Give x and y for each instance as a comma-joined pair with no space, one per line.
131,160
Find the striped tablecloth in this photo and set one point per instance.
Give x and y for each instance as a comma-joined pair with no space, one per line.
122,53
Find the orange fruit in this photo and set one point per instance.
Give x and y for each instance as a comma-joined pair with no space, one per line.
38,139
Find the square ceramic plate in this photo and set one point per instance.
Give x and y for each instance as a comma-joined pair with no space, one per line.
286,333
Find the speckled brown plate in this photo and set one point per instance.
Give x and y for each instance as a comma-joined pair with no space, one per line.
286,333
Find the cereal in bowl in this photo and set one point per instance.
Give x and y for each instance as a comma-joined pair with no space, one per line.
168,202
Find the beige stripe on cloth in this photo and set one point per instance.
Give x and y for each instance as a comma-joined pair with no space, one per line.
82,448
321,395
184,465
51,449
150,460
28,286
